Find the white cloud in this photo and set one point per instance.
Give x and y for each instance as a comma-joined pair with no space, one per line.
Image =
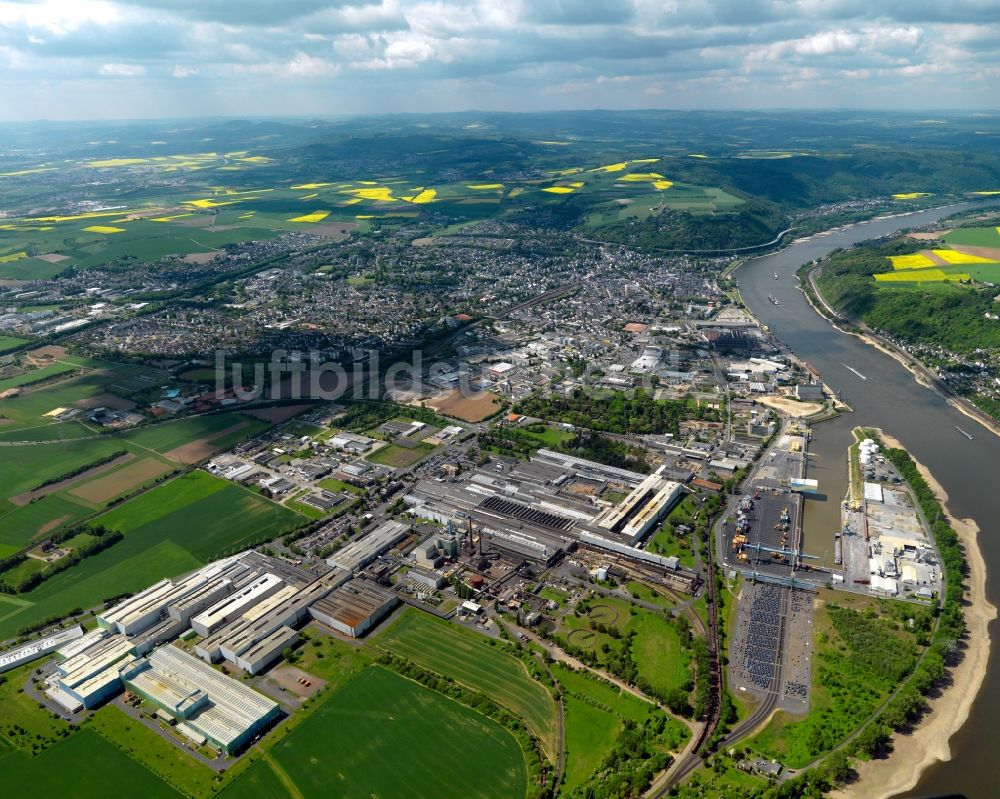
121,70
516,53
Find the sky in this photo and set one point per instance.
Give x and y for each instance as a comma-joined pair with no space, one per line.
99,59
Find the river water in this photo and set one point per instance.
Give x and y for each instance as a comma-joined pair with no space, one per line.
969,471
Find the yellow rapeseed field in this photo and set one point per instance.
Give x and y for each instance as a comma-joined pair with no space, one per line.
315,216
918,276
104,229
611,167
662,185
955,257
912,195
643,177
916,261
424,196
559,190
485,186
14,256
210,203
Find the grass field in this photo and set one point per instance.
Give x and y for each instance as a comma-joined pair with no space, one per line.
468,658
974,236
590,733
622,703
658,654
383,735
173,765
8,343
37,375
23,468
26,412
204,514
400,457
94,768
129,565
170,529
656,649
168,436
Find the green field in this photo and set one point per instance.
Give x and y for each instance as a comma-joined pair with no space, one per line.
622,703
130,565
8,343
173,764
84,766
658,654
469,659
974,237
383,735
590,733
204,514
400,457
24,468
167,436
37,375
656,647
170,529
26,412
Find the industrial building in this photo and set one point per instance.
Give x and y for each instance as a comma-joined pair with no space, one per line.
235,639
36,649
267,650
354,608
90,676
360,553
640,511
206,704
233,607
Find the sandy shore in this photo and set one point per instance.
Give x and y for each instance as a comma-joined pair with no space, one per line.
881,779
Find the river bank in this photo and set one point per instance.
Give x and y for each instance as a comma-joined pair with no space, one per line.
929,743
921,374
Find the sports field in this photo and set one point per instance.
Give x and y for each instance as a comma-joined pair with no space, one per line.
385,736
469,659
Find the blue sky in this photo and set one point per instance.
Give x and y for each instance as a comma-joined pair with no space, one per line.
90,59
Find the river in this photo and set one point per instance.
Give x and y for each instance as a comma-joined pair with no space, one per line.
887,396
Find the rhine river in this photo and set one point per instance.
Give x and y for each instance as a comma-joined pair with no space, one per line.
890,398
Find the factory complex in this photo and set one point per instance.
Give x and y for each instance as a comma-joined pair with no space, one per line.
554,503
242,610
